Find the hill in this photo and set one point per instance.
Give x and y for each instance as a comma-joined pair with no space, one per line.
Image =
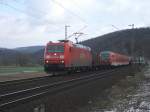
134,42
30,49
39,56
9,57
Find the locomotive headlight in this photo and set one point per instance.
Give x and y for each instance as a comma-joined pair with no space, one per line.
62,61
47,61
61,56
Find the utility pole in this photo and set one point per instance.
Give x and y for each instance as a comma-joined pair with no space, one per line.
132,25
132,40
66,27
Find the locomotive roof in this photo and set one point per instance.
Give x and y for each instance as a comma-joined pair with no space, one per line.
75,45
60,42
105,52
82,46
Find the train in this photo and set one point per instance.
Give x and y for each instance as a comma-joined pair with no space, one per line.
68,56
113,59
65,55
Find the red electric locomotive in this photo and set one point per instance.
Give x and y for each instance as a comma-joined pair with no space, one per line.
108,58
66,55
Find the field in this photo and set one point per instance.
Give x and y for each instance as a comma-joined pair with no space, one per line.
16,70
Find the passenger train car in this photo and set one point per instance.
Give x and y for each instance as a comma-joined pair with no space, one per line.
109,58
65,55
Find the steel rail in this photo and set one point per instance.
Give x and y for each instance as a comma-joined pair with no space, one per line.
53,84
3,83
40,90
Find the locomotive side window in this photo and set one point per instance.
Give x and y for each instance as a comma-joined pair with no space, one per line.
55,48
104,56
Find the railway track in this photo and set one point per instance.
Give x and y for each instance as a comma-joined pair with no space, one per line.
16,85
9,99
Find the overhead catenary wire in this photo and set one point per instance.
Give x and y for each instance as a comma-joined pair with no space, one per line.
41,12
33,9
31,14
77,31
56,2
69,11
18,10
34,16
77,5
72,13
115,27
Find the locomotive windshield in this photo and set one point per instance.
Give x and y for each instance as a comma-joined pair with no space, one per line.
55,48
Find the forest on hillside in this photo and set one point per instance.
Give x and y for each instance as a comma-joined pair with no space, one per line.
133,42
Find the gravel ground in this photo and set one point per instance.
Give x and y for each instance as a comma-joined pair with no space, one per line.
128,95
19,76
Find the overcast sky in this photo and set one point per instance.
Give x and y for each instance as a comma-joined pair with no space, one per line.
35,22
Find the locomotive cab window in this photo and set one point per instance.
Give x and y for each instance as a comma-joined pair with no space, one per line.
55,48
